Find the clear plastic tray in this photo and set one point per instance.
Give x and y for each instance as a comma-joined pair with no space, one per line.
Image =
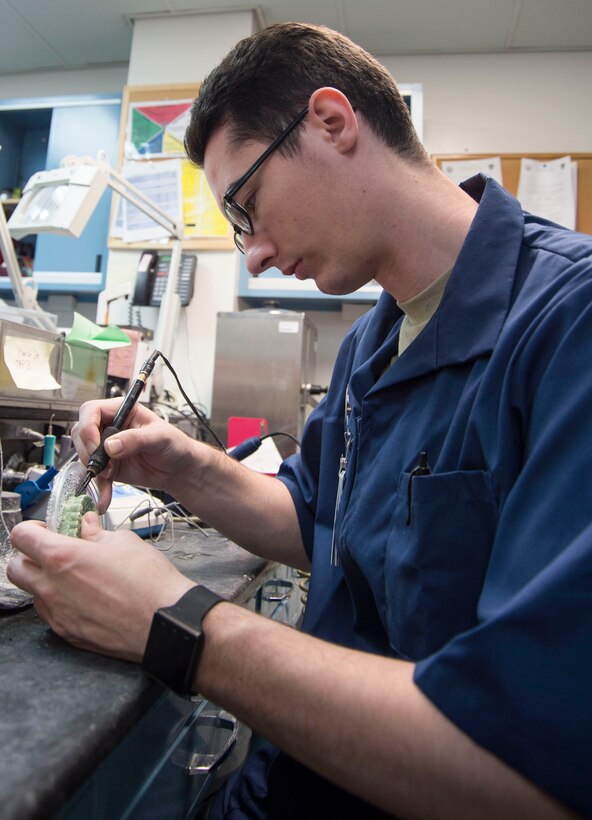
65,485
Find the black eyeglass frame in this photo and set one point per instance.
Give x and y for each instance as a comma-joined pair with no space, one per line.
231,206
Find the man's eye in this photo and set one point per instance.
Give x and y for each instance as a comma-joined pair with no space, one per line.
249,204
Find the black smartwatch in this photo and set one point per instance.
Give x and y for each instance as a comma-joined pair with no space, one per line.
175,642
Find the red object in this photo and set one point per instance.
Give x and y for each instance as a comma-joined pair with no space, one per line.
122,360
242,427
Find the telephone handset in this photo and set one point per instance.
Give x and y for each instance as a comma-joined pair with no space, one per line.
145,277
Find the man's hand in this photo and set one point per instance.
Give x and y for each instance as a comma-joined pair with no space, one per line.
100,591
149,452
252,509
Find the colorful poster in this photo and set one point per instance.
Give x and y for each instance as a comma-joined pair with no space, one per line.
157,129
201,215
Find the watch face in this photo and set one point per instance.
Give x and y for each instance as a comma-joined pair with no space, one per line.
175,641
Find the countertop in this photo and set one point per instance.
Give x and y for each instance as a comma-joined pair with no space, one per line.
63,710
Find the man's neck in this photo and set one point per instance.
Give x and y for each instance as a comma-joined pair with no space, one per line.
430,220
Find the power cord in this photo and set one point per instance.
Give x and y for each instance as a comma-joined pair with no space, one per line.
282,433
242,450
251,445
199,416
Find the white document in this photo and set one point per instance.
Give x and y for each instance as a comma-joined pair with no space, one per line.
28,363
161,183
460,169
549,189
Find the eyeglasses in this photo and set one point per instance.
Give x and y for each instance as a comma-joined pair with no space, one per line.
236,214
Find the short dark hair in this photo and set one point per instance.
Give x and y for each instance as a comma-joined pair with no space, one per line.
267,78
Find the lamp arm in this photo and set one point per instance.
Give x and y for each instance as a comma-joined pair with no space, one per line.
168,316
170,305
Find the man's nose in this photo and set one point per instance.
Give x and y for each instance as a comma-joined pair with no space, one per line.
260,253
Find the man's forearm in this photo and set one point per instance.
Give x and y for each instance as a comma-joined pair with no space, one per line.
358,720
254,510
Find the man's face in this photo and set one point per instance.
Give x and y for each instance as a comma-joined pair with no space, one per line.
303,211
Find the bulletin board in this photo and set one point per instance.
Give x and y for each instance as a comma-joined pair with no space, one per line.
511,174
151,133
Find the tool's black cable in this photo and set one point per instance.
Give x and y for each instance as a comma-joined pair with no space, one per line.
281,433
200,416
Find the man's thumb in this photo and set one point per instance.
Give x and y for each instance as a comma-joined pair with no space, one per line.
90,526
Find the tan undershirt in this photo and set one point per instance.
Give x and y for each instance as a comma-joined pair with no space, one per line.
419,310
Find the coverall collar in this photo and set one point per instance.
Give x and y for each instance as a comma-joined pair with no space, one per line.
475,303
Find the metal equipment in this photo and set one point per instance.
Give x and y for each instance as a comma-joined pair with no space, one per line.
265,360
71,376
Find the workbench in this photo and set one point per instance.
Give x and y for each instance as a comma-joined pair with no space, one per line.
91,737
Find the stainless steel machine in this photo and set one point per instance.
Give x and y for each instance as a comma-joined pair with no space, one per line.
264,365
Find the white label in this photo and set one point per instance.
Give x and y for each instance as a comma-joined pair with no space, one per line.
288,327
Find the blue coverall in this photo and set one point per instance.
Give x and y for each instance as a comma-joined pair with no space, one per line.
481,570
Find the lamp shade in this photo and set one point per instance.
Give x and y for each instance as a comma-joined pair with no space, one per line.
59,201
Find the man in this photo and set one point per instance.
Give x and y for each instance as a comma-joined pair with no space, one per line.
440,493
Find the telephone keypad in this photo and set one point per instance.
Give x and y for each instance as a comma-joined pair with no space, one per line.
185,280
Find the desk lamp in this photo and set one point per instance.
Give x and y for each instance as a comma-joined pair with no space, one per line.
62,200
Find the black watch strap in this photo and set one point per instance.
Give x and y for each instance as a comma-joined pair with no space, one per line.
175,642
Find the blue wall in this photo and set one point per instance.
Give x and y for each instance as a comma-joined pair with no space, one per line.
23,135
33,155
9,154
81,130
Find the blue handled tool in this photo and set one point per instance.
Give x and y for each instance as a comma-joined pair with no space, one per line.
32,489
245,448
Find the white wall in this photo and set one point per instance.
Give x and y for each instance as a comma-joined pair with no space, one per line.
183,49
504,103
57,83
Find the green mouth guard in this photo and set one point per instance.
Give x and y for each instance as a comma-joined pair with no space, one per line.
71,517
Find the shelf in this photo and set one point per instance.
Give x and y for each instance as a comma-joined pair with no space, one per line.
74,283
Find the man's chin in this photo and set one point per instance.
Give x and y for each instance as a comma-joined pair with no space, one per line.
334,289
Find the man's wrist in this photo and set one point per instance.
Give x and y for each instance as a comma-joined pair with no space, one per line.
188,480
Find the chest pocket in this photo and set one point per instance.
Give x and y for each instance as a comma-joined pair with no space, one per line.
436,558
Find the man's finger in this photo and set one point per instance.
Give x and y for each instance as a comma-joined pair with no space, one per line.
24,573
33,539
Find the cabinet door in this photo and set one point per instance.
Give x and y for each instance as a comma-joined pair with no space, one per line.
82,130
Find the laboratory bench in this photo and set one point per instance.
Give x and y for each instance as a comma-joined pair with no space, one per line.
90,737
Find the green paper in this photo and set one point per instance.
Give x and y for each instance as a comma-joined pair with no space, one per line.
85,333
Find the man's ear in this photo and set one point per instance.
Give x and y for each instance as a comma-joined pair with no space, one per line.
331,112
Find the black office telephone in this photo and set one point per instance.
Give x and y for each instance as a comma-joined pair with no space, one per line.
145,276
151,278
